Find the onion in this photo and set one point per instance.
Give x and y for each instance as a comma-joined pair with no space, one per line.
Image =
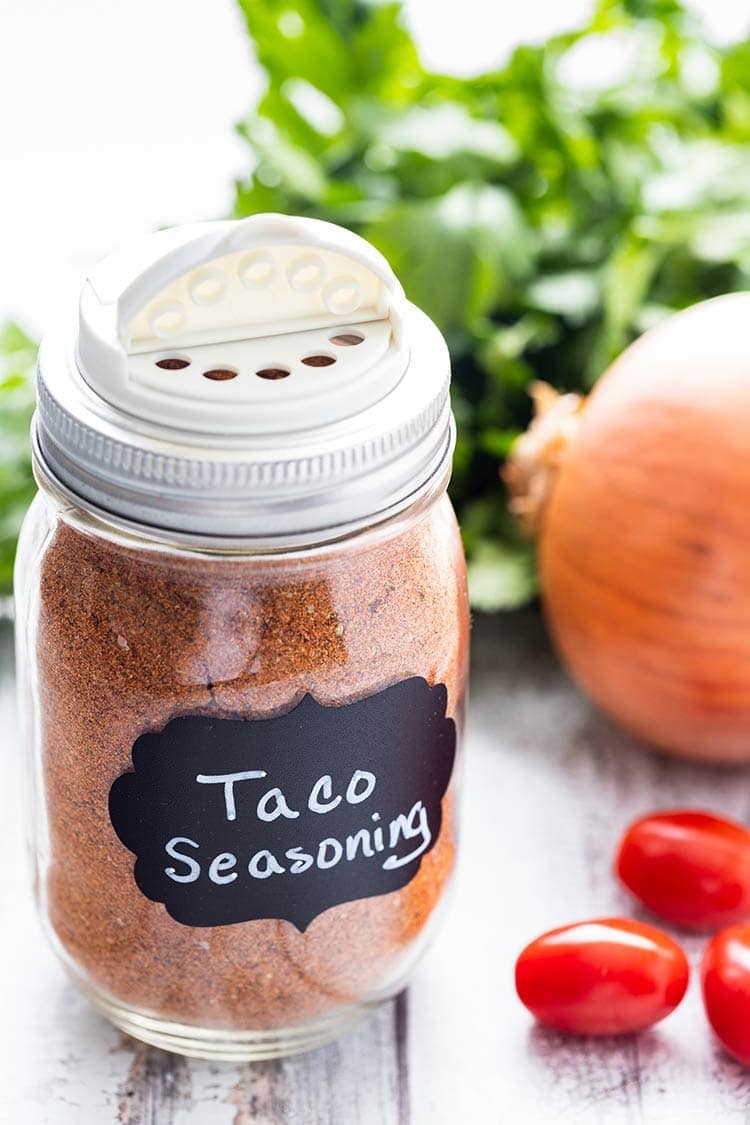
641,500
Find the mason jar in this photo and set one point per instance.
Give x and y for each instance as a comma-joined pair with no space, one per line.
242,628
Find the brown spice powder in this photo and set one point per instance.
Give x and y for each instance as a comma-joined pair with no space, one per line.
130,638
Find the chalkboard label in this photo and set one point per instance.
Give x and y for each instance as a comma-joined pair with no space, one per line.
236,819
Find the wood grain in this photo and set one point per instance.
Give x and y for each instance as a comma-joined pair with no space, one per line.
548,786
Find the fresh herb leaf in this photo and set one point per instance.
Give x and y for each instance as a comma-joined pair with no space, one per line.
17,363
501,575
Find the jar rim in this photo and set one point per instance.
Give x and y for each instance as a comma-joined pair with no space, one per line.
93,519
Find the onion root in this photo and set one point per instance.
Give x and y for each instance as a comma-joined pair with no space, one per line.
530,471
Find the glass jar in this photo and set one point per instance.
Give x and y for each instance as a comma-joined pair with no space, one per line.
243,747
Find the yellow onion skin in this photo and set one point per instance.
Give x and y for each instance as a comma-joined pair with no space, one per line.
645,544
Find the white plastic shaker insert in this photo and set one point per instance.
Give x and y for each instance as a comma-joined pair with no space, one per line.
239,298
255,384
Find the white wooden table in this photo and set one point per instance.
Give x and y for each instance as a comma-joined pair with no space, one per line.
549,785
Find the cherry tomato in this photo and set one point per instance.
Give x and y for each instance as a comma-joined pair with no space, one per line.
603,977
689,867
725,979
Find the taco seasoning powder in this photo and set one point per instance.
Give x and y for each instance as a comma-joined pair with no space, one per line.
243,684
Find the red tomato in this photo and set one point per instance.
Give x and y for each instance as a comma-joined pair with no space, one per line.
725,978
603,977
689,867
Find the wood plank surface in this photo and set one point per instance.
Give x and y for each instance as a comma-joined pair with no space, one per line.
549,784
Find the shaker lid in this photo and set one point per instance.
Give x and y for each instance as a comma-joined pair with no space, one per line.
261,380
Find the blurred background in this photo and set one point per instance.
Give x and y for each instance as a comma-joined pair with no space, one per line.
547,179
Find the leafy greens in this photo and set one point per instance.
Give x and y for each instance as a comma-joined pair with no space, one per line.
544,213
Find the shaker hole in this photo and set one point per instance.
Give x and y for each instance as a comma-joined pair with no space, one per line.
257,270
172,363
166,318
272,373
342,295
208,288
307,277
306,273
346,340
220,374
319,360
